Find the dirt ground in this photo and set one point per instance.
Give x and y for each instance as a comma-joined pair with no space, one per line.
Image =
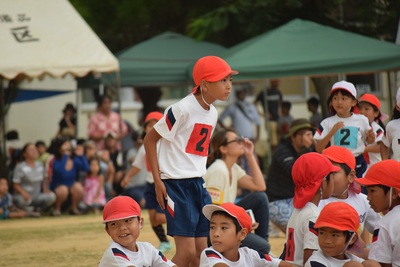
77,241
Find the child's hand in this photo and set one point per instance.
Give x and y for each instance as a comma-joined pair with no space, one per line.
370,136
339,125
161,193
254,226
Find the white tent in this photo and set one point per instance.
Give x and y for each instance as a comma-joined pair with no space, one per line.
41,37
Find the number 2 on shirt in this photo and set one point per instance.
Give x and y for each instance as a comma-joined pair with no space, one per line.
346,137
199,140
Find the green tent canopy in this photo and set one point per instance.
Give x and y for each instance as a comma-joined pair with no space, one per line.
163,60
306,48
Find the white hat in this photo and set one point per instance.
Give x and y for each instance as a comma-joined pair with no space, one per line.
349,87
398,98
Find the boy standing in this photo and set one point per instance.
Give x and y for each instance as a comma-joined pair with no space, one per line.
311,174
184,133
229,225
383,186
123,223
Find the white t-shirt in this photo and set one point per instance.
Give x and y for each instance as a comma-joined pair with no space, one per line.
217,176
368,217
352,136
147,255
301,234
247,257
319,259
392,138
385,246
375,157
142,163
186,130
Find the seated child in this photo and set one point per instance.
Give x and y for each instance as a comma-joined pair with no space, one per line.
337,227
7,208
229,225
347,190
382,181
311,174
123,223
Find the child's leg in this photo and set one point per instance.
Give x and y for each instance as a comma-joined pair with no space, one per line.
201,244
61,196
185,250
157,227
77,194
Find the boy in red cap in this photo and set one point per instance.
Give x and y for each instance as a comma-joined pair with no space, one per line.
346,190
345,128
311,175
337,226
123,222
156,214
229,225
383,186
184,133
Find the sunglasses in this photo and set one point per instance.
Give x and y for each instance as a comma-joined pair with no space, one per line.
238,139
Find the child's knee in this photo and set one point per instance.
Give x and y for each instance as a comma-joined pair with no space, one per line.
371,263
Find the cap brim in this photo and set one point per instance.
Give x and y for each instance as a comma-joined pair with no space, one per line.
116,218
341,88
335,168
209,209
366,181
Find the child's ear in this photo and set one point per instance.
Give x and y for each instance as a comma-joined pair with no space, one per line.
354,102
203,85
395,193
242,234
141,222
352,176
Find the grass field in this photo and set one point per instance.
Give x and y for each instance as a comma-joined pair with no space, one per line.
77,241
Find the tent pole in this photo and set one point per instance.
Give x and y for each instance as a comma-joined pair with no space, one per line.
3,155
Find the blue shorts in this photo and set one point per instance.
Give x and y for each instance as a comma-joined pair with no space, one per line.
186,199
151,199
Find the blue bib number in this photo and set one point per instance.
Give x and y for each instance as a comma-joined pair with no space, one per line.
346,137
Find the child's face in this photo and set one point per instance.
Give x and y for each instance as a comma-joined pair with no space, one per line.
66,148
125,231
149,125
41,149
94,167
110,142
332,242
220,90
378,200
343,104
341,182
3,187
31,152
90,150
368,111
223,234
327,187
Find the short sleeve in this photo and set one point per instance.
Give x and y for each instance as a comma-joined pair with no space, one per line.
140,159
381,249
113,257
18,174
209,257
169,123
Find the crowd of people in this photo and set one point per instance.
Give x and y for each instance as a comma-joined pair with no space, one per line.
332,187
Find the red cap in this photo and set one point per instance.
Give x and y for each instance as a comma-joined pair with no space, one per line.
155,115
211,69
120,207
340,216
307,173
349,87
385,172
373,100
235,211
340,154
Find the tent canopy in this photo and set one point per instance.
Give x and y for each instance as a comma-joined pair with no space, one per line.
41,37
307,48
163,60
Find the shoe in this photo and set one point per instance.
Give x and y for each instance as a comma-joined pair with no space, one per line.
165,247
56,213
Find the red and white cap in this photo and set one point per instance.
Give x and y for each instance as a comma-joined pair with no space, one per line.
235,211
120,207
344,85
211,69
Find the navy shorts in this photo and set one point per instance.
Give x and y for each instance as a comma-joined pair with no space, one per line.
151,199
186,199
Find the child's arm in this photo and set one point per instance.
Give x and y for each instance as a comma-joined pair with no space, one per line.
373,149
150,145
100,188
384,151
307,254
128,176
321,144
18,188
